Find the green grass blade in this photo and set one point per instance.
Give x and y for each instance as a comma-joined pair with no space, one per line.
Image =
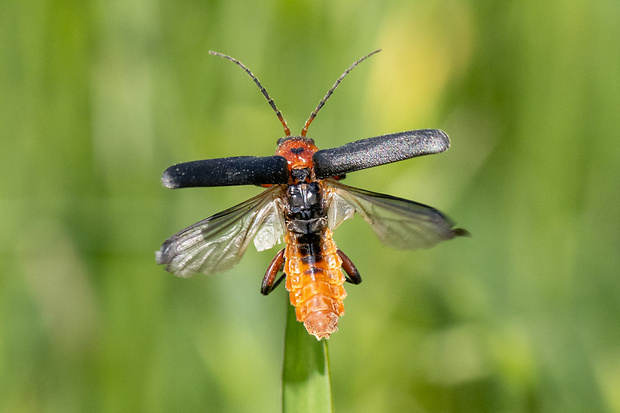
306,385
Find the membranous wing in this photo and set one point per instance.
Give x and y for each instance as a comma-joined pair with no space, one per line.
398,222
217,243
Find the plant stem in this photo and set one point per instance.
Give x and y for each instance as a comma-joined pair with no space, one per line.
306,384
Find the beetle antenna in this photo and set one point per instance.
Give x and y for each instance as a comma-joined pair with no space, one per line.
287,131
330,91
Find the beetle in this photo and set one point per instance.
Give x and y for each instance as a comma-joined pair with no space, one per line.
303,203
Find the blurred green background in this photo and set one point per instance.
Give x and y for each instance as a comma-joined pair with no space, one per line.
98,98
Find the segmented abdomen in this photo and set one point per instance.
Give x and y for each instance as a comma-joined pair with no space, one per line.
314,281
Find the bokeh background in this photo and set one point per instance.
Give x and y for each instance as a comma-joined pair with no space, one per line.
98,98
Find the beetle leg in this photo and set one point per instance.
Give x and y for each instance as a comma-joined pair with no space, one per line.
269,281
353,275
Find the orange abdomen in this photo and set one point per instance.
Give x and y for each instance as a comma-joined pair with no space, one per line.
314,282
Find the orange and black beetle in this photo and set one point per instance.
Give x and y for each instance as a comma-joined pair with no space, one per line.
304,202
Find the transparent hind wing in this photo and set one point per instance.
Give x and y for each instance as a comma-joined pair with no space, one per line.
217,243
399,223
